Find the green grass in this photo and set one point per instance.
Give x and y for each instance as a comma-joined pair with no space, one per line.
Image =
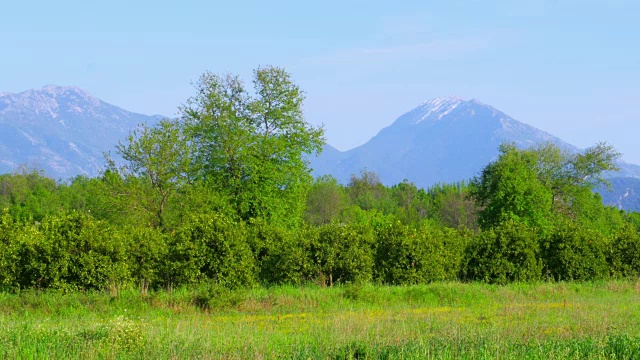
449,321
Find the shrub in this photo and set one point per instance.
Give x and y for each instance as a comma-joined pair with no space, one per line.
71,252
407,256
210,246
8,255
575,253
508,252
343,253
148,249
285,256
623,254
212,295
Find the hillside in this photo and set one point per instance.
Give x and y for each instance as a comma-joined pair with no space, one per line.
62,130
442,140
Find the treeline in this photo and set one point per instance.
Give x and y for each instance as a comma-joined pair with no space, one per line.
223,195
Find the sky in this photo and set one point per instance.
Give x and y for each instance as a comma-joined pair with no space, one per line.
568,67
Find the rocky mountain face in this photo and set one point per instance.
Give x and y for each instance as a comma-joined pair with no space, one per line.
442,140
62,130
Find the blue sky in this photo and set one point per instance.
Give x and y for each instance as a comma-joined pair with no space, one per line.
571,68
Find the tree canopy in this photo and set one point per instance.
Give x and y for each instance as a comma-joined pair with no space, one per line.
252,146
538,184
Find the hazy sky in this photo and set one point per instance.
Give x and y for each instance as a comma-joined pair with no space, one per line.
571,68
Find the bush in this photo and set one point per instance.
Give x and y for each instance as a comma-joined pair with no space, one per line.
406,256
210,246
623,255
148,249
212,295
70,252
506,253
575,253
284,257
343,253
8,255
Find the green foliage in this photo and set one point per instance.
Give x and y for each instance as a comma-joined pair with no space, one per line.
325,201
343,253
367,192
29,195
252,147
410,204
282,256
158,158
536,185
71,252
572,252
147,251
212,295
509,189
508,252
451,205
210,246
9,270
623,253
406,256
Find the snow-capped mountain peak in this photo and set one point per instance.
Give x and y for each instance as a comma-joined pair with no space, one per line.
437,108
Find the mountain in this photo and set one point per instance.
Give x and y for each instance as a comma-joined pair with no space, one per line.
442,140
624,193
62,130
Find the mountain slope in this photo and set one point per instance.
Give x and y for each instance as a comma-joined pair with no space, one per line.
442,140
61,130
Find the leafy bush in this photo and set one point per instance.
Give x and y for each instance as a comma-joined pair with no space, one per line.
407,256
574,253
508,252
148,249
210,246
343,253
623,254
70,252
8,251
284,257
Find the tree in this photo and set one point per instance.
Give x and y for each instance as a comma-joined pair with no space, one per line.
367,191
539,184
157,164
452,207
325,201
252,146
409,201
509,189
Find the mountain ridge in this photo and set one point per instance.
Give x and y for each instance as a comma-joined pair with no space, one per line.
445,139
64,130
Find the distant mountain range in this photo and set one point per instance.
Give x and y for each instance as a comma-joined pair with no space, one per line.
62,130
65,131
449,139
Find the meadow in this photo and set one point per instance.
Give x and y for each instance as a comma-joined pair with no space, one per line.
588,320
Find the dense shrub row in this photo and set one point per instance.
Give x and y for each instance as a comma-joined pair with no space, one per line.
76,252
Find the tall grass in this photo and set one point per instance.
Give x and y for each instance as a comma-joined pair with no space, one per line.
442,320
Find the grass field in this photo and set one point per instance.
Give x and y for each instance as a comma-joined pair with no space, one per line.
450,321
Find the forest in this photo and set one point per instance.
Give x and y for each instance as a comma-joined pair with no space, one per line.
223,195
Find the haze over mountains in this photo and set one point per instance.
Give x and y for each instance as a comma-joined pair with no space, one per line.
449,139
442,140
62,130
65,130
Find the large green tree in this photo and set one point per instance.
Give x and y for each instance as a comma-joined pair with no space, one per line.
253,146
540,184
156,167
